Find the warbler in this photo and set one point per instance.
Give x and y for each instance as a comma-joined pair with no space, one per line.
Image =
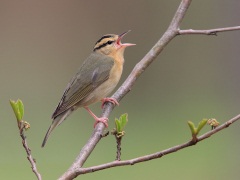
94,81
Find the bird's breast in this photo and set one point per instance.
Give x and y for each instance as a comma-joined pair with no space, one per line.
108,86
114,76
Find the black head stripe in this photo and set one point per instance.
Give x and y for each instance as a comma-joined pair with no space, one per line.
104,37
103,45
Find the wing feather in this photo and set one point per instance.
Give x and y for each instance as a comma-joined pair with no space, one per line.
94,71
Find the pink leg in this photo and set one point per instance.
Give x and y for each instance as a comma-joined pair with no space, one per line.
112,100
97,119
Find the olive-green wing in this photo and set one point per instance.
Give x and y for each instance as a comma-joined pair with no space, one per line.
93,72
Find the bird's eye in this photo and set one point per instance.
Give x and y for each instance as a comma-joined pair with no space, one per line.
110,42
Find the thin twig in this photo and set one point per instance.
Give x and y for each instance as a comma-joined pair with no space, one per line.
118,141
28,150
118,156
158,154
208,31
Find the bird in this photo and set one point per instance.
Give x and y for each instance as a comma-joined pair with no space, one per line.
95,80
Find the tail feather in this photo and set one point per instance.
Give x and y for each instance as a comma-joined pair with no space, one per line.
57,121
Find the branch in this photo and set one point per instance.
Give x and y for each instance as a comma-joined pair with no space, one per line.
28,151
171,32
158,154
18,109
208,31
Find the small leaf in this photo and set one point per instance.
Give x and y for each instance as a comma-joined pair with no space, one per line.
21,108
121,122
18,109
118,126
192,127
201,125
14,107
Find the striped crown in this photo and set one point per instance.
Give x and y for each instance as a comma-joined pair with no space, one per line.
105,41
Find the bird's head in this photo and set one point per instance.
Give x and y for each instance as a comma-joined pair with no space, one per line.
110,44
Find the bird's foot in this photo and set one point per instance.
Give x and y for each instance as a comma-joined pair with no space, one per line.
104,120
111,100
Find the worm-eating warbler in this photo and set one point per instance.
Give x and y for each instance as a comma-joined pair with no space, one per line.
96,79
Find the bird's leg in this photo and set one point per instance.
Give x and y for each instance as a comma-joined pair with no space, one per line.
104,120
107,99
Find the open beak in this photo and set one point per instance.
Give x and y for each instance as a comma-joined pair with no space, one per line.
123,44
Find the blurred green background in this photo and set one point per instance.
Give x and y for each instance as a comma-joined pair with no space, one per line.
42,44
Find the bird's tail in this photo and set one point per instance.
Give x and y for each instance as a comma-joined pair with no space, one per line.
57,121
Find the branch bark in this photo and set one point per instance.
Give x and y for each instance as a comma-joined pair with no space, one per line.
172,31
28,150
208,31
158,154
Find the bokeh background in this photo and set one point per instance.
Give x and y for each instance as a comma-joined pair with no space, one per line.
42,44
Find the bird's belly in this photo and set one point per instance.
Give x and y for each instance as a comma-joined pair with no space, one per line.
99,93
106,87
102,91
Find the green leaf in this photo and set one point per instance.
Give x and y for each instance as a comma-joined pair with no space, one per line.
21,108
118,126
121,122
192,127
14,107
18,109
201,125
